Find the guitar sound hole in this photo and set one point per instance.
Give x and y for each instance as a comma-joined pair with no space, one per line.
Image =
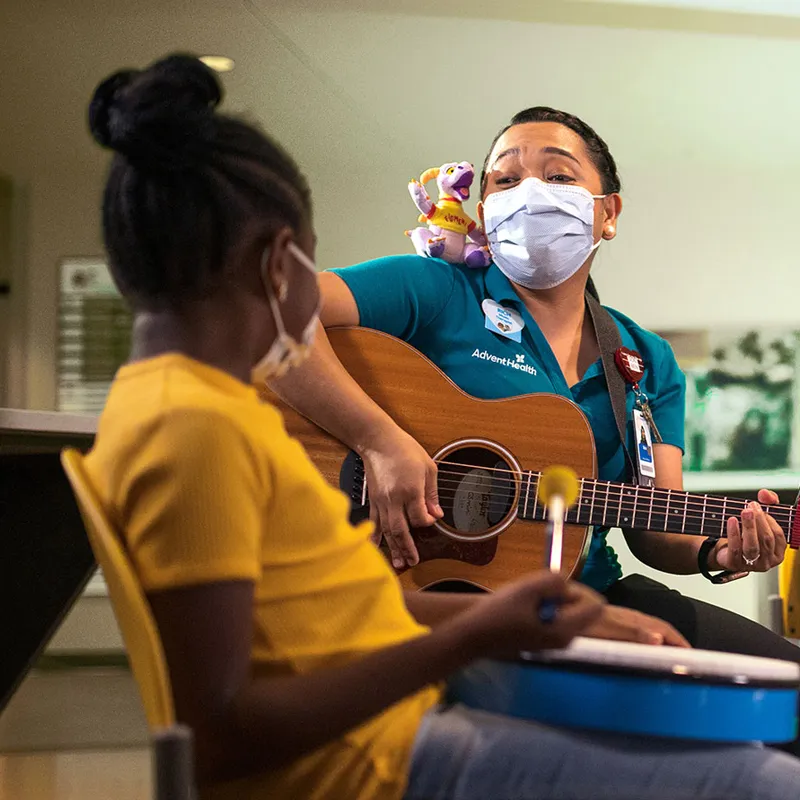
476,490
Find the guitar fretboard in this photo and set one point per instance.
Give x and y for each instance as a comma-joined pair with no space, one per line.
618,505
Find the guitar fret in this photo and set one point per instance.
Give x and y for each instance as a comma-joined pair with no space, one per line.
536,495
650,512
666,513
594,493
703,516
619,504
724,515
527,493
629,492
635,502
685,509
576,509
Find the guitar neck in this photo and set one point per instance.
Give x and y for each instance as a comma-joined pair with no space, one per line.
619,505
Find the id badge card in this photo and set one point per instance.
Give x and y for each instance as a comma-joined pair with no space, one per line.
644,446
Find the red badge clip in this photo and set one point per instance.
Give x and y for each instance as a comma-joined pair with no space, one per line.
630,364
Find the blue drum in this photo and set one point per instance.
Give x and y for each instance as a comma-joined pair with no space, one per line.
641,689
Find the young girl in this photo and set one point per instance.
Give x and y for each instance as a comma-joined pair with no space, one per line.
293,654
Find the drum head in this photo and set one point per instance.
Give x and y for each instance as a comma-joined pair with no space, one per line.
677,663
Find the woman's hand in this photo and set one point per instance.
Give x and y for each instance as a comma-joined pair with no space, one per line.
507,622
757,544
627,625
403,491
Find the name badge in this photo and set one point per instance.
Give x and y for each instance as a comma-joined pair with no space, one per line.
505,321
644,445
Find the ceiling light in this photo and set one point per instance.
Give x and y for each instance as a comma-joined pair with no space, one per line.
218,63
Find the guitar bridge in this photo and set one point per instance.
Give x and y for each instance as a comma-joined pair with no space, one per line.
353,482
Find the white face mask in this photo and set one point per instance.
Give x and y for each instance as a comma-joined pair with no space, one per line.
540,234
285,351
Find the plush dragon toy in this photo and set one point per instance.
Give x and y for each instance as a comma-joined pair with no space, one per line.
450,234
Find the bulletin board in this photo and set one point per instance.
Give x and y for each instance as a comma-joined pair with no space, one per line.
742,407
94,334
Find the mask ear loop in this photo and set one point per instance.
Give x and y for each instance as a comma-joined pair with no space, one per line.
283,293
302,257
306,262
596,244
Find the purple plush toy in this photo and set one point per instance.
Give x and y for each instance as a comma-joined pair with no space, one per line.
451,234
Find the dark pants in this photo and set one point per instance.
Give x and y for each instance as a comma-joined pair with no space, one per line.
705,626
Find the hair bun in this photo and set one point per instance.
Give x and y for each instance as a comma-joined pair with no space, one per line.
158,118
102,101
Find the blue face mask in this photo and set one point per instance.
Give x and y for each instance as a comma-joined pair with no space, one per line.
540,234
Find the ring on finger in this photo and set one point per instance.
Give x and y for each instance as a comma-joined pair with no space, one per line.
749,561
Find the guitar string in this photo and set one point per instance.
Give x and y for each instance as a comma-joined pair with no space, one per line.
661,500
658,517
624,492
731,507
521,477
612,491
518,476
607,509
692,525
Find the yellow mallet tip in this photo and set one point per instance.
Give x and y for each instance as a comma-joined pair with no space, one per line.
559,481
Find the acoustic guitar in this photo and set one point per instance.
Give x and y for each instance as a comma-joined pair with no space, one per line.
490,454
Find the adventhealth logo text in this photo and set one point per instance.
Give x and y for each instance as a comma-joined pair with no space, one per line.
517,363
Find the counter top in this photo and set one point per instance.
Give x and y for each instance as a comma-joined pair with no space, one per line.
46,422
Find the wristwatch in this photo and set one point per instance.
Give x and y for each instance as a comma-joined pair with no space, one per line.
726,576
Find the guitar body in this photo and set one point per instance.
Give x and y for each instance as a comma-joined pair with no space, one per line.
483,448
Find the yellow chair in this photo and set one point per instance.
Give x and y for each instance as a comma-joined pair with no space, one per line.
790,594
173,765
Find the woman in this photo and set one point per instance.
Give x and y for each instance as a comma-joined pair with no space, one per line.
274,612
550,199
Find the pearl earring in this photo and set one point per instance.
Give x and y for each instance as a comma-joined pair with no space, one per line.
610,230
283,291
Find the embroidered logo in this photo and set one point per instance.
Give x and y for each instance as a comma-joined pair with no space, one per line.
517,363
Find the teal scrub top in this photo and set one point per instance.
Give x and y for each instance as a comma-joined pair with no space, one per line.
436,307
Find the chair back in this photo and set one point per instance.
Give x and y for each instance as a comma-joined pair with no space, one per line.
131,608
790,593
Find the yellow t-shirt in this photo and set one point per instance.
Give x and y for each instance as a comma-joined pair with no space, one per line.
205,484
450,216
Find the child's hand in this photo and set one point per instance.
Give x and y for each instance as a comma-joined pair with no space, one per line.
507,622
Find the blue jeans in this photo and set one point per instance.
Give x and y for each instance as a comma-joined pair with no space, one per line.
461,754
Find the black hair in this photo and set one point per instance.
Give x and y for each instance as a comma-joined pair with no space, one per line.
185,181
596,147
